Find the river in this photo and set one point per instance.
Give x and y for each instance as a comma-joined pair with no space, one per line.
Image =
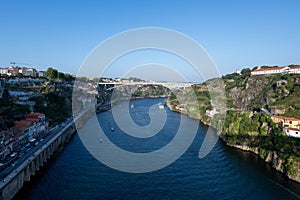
225,173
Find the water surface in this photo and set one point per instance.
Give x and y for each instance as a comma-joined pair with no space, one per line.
225,173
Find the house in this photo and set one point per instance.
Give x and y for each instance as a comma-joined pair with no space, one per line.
22,132
32,126
6,143
39,122
271,70
293,132
290,125
181,107
3,71
211,113
13,71
41,73
1,89
286,122
293,69
28,71
35,117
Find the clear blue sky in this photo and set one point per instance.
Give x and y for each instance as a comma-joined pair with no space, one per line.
236,34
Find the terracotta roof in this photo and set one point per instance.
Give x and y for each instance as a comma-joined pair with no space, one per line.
34,117
293,129
286,118
295,67
22,124
267,69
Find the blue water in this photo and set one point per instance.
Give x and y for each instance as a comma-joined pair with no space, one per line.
225,173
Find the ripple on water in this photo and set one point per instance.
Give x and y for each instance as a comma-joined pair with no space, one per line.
223,174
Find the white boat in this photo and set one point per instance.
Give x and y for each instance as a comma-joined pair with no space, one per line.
132,106
112,129
161,106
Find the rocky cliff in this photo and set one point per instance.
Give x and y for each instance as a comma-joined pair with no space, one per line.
244,125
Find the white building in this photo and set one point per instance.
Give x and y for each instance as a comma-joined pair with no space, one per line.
41,73
276,70
294,69
293,132
3,71
28,71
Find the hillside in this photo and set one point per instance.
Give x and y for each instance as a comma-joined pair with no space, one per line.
245,126
278,93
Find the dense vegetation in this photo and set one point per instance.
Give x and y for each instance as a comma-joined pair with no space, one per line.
10,112
150,91
245,124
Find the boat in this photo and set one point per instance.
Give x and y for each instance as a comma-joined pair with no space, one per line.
100,140
112,129
132,106
161,106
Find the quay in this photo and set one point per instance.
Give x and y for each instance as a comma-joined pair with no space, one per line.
51,146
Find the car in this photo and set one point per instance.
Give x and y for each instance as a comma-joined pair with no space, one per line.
13,154
32,140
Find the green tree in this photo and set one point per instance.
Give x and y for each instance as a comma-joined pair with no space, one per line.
19,75
246,72
51,73
61,76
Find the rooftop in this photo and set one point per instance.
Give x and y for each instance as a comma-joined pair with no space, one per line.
268,69
293,129
286,118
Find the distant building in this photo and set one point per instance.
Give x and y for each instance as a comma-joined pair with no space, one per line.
1,89
25,130
28,72
41,73
295,69
290,125
271,70
22,131
35,117
6,143
39,122
211,113
293,132
3,71
15,70
286,122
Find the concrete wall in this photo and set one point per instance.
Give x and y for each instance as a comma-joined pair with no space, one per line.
15,181
29,168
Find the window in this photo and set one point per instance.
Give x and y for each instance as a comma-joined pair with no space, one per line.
291,122
297,133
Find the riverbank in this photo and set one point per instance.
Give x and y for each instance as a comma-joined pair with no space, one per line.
270,157
236,172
